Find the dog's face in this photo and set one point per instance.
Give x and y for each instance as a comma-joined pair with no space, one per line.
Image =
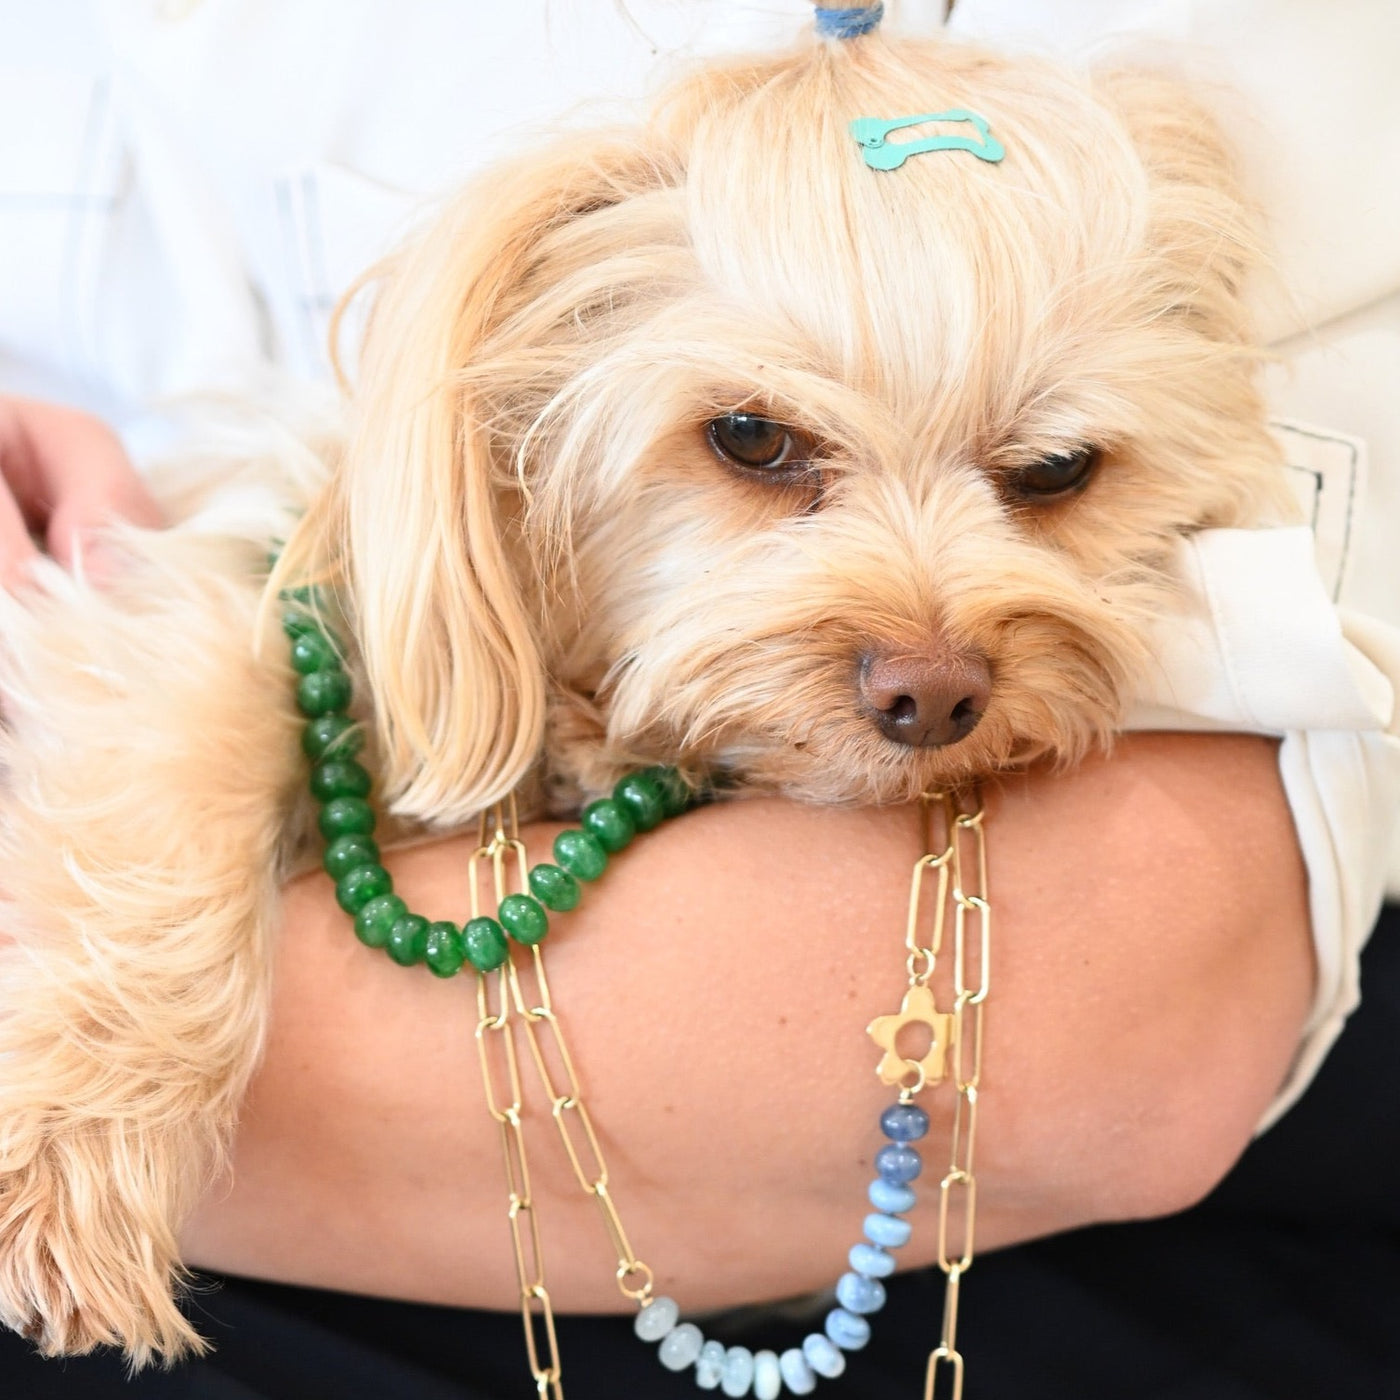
711,444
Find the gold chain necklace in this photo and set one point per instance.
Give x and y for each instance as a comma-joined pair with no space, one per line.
516,999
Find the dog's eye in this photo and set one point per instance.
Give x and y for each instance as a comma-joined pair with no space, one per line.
757,443
1054,476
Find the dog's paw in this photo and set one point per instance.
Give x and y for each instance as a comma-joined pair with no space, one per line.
87,1243
82,1263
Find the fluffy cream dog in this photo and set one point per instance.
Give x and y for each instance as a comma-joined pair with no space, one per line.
699,441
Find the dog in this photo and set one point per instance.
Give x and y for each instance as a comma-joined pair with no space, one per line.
702,441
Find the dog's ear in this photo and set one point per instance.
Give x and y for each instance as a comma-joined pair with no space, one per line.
1201,227
420,526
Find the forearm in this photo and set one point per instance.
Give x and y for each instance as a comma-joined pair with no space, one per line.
1152,970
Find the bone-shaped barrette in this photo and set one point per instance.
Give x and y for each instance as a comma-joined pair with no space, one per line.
879,154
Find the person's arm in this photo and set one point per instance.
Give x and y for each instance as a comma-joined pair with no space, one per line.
1151,972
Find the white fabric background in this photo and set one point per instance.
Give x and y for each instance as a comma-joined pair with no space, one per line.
187,186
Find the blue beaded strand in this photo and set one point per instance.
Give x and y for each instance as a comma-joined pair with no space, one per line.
737,1371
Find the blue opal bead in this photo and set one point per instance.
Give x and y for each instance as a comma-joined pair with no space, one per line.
847,1330
796,1372
898,1163
656,1319
859,1294
680,1346
767,1377
709,1366
904,1122
737,1376
823,1355
890,1196
888,1231
867,1259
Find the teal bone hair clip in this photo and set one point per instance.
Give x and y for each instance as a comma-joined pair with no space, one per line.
879,154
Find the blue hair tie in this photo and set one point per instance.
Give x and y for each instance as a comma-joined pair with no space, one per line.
848,23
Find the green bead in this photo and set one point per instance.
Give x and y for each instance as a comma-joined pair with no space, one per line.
312,651
580,854
524,918
644,799
346,816
443,950
676,795
484,944
345,853
375,921
408,940
339,777
610,822
554,888
362,884
335,735
297,622
323,692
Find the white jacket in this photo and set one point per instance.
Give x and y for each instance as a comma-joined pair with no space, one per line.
187,186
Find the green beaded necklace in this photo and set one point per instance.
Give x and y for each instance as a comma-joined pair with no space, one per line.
640,802
365,889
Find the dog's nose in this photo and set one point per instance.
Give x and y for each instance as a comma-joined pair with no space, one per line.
926,700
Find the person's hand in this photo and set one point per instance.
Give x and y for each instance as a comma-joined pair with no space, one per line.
63,474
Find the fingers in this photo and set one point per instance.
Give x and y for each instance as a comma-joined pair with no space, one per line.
63,475
17,549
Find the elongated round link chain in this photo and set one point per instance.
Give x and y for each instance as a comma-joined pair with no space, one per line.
522,996
497,1051
962,880
573,1120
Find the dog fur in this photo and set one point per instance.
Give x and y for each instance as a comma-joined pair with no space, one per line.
549,576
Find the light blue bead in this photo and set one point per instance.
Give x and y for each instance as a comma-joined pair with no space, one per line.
888,1231
767,1377
896,1162
848,1331
680,1346
872,1262
737,1376
796,1372
859,1294
709,1366
890,1196
823,1355
904,1122
656,1319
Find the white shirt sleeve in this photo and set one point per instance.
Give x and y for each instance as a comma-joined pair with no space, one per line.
1259,646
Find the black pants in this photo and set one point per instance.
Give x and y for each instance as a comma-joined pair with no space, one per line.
1283,1285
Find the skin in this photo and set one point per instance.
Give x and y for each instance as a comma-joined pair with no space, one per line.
63,474
1152,972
